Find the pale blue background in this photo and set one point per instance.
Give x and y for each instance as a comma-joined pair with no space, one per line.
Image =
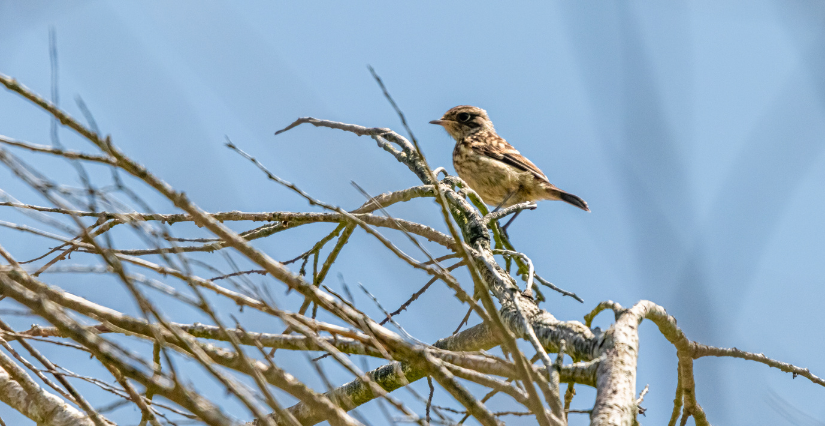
693,129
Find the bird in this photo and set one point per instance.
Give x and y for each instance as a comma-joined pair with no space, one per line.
494,169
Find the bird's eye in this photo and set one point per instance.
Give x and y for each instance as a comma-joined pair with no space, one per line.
463,117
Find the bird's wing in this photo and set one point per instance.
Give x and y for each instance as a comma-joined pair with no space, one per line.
502,151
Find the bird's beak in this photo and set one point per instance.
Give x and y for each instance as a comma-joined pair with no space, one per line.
439,122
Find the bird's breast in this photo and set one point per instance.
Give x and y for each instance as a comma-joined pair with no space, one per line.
490,178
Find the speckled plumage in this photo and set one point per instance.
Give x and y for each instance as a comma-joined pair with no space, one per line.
492,167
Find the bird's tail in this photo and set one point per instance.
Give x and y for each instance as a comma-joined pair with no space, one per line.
572,200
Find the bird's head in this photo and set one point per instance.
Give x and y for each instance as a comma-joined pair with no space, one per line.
464,120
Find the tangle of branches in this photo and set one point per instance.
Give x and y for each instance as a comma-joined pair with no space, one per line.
147,358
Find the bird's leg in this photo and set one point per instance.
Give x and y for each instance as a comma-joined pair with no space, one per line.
504,228
504,201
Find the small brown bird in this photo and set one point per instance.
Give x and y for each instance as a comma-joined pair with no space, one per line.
492,167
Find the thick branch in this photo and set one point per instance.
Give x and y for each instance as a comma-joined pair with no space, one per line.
19,391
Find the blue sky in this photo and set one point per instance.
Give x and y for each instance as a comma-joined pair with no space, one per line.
693,129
